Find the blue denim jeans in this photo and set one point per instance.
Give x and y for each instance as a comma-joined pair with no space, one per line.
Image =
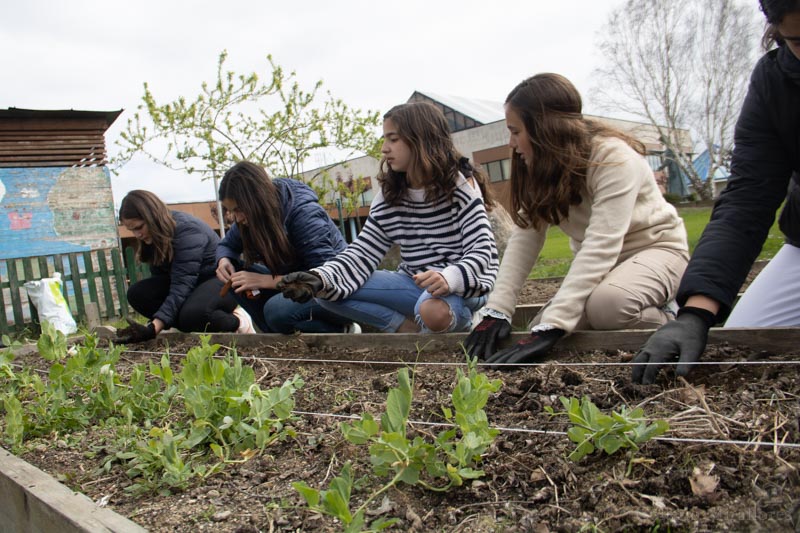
272,313
388,298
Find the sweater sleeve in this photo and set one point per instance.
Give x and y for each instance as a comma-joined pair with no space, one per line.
522,251
475,272
349,270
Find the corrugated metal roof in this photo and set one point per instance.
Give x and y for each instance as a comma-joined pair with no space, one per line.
15,112
702,163
483,111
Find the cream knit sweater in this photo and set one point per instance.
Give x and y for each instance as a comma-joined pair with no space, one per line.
622,213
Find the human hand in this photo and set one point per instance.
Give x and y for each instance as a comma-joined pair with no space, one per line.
433,282
683,339
300,286
248,283
225,269
136,332
528,349
482,340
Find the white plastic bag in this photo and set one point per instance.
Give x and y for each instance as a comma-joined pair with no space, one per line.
46,295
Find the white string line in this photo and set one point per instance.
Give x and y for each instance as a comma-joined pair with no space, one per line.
564,433
526,430
480,364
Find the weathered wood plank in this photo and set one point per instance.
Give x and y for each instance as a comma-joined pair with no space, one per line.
110,309
44,269
523,314
761,339
52,157
119,279
15,287
5,328
31,500
69,163
77,287
23,153
27,268
91,278
32,123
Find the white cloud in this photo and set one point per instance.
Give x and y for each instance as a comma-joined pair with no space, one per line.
96,55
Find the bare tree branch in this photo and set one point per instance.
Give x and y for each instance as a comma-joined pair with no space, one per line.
679,64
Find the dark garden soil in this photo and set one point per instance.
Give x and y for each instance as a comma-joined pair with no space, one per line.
529,483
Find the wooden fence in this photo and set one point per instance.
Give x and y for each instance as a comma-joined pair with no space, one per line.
97,278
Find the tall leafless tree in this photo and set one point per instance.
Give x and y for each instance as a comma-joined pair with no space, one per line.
680,64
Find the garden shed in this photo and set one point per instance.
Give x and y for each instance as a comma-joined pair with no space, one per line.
57,211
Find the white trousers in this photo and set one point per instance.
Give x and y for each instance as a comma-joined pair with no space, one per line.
773,298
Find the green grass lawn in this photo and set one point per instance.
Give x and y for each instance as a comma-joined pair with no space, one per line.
556,255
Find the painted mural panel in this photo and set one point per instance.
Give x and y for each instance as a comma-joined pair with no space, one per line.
45,211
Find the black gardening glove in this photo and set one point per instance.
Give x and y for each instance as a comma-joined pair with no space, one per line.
300,286
136,332
683,339
528,349
482,340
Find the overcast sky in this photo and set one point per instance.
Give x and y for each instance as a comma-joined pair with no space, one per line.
96,55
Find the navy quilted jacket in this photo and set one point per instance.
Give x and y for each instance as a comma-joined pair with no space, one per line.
193,247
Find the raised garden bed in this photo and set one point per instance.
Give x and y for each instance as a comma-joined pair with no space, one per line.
711,480
729,461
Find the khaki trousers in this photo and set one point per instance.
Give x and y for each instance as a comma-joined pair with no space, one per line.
632,295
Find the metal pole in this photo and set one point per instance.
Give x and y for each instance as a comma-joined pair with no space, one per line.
341,217
219,207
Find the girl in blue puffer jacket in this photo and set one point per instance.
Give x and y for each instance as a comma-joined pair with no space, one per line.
279,227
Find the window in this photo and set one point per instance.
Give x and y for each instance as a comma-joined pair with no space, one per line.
654,160
506,165
366,197
498,170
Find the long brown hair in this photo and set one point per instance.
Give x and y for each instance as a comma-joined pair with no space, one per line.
149,208
264,237
550,107
422,126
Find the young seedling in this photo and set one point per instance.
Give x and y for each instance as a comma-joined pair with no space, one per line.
592,429
448,460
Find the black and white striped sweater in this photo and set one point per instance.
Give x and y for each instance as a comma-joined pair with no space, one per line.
453,237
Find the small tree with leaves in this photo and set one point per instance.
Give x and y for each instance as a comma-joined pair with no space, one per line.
272,122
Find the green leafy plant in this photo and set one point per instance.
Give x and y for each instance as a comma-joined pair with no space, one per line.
52,344
165,427
592,429
439,465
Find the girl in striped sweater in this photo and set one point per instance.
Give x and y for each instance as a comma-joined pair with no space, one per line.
438,218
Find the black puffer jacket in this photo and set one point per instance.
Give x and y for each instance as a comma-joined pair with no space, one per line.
765,170
194,247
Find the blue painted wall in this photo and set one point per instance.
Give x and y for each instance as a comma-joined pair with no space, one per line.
45,211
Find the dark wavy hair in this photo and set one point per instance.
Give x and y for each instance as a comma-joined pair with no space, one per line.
264,237
550,108
422,126
774,11
149,208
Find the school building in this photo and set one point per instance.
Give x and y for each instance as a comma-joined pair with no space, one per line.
479,132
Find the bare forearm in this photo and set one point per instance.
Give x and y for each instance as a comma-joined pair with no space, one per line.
703,302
